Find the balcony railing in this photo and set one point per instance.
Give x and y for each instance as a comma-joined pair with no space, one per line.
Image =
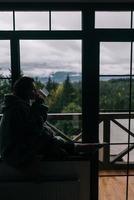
111,126
117,131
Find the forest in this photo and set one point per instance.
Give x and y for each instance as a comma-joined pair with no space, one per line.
66,97
116,95
63,97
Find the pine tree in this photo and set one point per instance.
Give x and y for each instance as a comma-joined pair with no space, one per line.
68,94
49,84
39,84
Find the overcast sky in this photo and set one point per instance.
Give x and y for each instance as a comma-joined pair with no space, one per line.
43,57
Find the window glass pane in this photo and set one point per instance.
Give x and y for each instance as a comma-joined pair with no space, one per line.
6,20
5,59
66,20
56,65
112,19
114,94
114,76
131,156
5,70
5,88
114,58
133,20
118,135
31,20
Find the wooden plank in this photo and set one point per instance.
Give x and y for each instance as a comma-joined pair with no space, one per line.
114,187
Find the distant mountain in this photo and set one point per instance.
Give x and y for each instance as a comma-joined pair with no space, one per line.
116,77
59,77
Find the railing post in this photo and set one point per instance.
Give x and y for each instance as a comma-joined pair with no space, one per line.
106,138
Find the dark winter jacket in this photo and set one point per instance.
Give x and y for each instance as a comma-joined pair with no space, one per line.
22,131
19,128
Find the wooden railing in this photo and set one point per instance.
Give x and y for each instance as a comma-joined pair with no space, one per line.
66,116
108,121
107,160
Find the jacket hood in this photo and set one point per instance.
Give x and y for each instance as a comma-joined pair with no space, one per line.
11,101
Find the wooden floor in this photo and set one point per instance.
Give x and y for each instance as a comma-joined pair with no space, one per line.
114,187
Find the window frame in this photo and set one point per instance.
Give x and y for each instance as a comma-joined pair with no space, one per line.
90,57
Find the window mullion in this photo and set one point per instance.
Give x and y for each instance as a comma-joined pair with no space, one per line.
15,59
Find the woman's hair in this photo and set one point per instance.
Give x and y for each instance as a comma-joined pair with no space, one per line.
22,87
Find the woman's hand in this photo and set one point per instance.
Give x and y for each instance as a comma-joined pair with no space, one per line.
39,97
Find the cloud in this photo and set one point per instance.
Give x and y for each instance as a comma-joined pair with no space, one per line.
50,56
66,20
42,57
6,20
112,19
115,58
32,20
5,60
